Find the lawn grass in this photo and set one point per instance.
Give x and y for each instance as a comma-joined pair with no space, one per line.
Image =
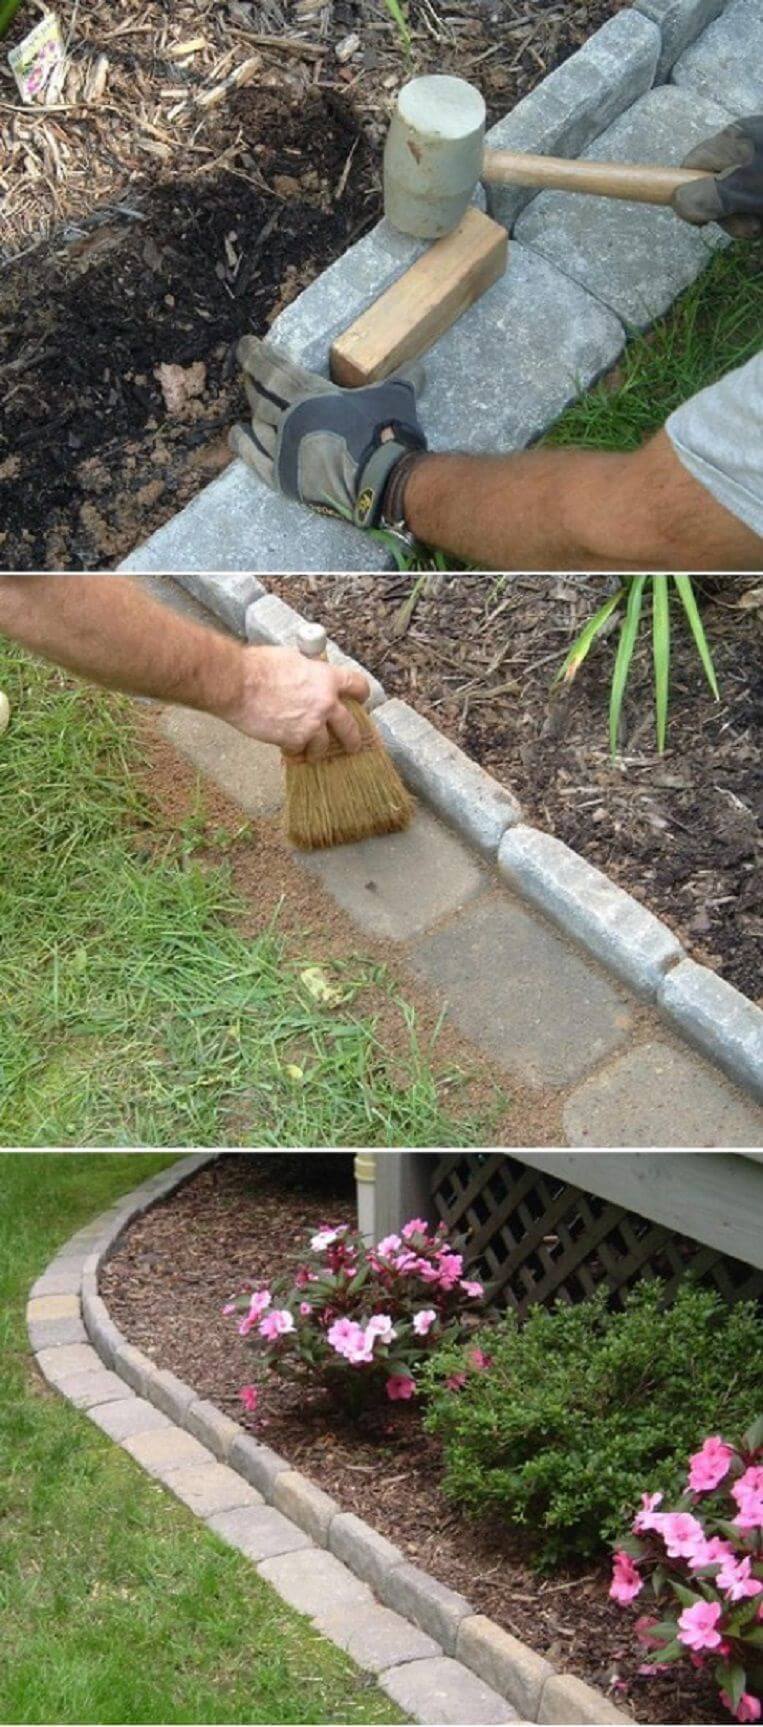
116,1605
713,327
132,1011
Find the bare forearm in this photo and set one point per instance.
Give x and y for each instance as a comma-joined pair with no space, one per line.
576,510
107,629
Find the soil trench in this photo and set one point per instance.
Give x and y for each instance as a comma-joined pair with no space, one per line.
249,1217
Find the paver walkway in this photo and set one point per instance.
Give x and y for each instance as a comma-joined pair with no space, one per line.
544,1013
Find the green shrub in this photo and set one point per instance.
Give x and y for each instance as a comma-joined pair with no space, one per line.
581,1409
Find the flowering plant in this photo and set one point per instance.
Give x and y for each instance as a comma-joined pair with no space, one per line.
705,1562
359,1319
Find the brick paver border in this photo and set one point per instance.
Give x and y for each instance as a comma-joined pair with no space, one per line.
427,1647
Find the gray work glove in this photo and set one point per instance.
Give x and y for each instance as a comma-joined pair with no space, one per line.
732,194
332,449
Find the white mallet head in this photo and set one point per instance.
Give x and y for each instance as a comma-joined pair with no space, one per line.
433,155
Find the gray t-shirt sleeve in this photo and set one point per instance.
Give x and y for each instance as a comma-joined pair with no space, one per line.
718,436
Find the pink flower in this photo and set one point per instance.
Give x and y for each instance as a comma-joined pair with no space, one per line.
735,1580
451,1266
423,1321
478,1359
389,1245
249,1395
326,1238
709,1466
417,1226
380,1325
697,1626
405,1261
712,1552
230,1307
455,1382
627,1582
750,1707
259,1303
305,1309
276,1324
400,1387
682,1534
748,1493
343,1335
645,1519
472,1288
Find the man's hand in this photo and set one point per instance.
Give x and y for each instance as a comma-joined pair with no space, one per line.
732,194
332,449
296,703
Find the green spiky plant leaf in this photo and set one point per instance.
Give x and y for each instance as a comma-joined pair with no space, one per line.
628,601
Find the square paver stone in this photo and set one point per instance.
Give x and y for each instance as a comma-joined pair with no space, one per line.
522,993
86,1390
656,1095
127,1416
402,884
260,1532
444,1692
167,1449
725,63
315,1583
250,773
375,1637
212,1488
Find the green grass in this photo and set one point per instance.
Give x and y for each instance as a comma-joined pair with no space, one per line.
116,1605
132,1011
712,328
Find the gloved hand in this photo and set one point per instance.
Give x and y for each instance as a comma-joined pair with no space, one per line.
732,194
333,449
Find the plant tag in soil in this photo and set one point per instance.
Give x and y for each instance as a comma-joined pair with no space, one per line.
34,61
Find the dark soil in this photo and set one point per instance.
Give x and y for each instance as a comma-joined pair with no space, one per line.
91,459
478,657
247,1218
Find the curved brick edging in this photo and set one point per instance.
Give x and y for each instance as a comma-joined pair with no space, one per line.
429,1651
590,909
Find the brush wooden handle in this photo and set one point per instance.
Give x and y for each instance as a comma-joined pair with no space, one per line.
312,641
632,180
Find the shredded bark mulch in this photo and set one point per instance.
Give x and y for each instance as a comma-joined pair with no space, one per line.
478,656
247,1218
201,165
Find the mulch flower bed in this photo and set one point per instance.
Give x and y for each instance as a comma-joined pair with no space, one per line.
248,1217
477,656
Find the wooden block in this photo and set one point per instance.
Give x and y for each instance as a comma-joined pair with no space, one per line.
409,317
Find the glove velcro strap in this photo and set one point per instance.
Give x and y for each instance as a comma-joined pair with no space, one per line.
372,480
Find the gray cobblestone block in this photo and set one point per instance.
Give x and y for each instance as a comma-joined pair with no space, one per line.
725,63
47,1333
212,1488
376,1638
307,327
63,1277
227,594
460,791
634,258
165,1450
126,1416
237,523
445,1693
271,620
573,104
105,1336
717,1019
137,1369
171,1395
628,939
432,1606
215,1430
679,22
88,1390
366,1552
257,1463
313,1582
503,1662
57,1364
260,1532
566,1700
306,1505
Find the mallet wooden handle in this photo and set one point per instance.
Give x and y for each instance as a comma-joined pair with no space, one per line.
632,180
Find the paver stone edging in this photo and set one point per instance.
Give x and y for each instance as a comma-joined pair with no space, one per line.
455,1661
585,904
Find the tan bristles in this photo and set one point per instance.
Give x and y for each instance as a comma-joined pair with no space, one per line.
344,798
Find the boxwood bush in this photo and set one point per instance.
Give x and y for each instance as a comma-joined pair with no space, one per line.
561,1423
